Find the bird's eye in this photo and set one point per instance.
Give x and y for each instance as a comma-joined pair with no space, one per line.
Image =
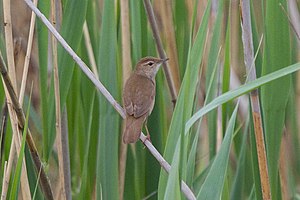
150,63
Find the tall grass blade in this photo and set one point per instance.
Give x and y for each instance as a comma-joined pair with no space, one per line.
75,11
185,100
217,173
42,33
107,153
239,179
277,55
173,187
240,91
212,61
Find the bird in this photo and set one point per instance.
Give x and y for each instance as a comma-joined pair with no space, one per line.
139,97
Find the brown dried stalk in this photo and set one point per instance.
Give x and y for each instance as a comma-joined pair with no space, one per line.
62,192
44,181
27,57
255,103
15,145
160,49
126,63
166,13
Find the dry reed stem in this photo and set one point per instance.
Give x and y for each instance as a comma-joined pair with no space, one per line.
62,191
4,182
66,153
7,171
294,17
45,185
161,52
27,56
126,67
283,166
234,36
89,48
15,147
168,27
22,92
9,41
254,99
11,66
165,165
219,127
24,178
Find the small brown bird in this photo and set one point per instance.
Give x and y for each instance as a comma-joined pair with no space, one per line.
139,97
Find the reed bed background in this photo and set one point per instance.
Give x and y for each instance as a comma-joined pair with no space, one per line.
226,115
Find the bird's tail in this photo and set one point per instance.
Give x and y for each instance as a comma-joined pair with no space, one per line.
132,128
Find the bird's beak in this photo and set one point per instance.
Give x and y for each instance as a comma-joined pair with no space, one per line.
160,63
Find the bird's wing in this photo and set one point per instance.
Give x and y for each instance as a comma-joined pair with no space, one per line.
141,98
128,106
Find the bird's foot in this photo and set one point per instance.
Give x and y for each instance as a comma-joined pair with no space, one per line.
148,138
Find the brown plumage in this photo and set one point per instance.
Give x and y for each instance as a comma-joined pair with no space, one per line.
139,97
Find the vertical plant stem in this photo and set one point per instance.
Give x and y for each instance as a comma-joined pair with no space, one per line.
19,123
126,67
61,192
4,182
161,52
11,71
294,17
171,47
27,56
4,114
23,86
66,154
255,103
15,147
7,171
283,167
9,42
90,49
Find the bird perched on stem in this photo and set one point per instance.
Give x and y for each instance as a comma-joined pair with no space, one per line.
139,97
